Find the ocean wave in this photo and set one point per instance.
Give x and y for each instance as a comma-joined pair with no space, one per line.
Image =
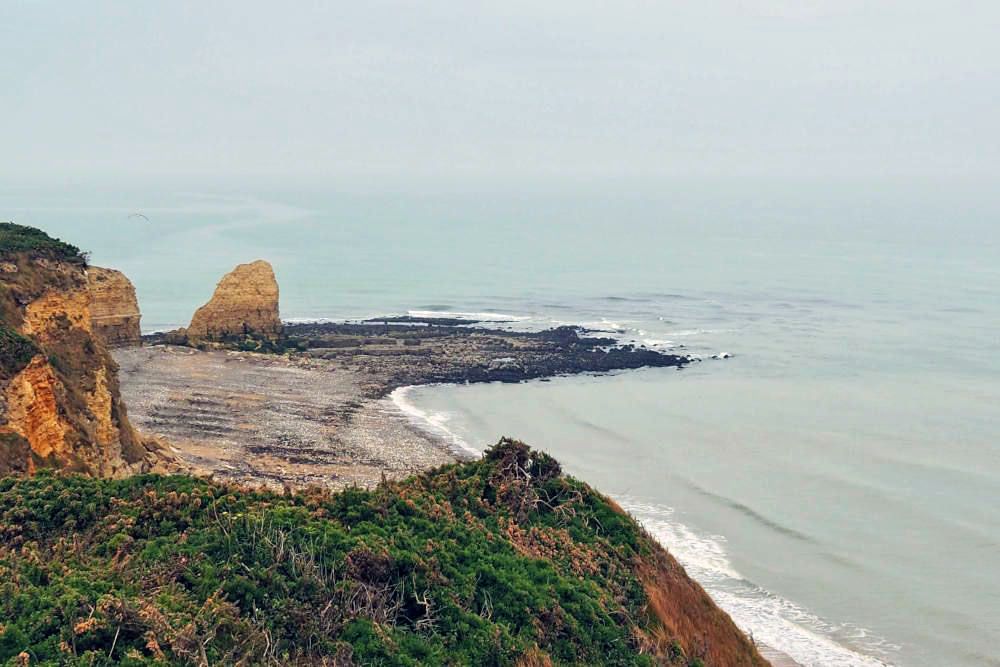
750,513
658,343
326,319
626,299
482,317
669,296
698,332
434,423
768,618
705,554
311,320
603,325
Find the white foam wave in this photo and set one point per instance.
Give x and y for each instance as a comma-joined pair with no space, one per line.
482,317
311,320
434,423
770,619
606,324
707,554
339,319
698,332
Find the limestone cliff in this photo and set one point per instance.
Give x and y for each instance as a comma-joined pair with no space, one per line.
114,309
59,400
245,302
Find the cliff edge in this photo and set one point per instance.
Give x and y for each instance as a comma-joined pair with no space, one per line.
114,309
245,302
59,401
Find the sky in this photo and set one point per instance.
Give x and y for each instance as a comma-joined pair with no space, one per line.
467,94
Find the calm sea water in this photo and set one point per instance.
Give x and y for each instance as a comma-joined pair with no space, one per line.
834,484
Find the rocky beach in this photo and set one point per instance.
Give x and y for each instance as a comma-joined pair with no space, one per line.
319,415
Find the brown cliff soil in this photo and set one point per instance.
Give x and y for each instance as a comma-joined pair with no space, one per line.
687,615
114,309
245,302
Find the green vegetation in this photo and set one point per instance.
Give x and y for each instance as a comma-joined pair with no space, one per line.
16,352
250,342
263,345
495,562
16,239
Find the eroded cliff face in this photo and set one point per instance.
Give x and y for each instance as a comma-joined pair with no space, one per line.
245,302
114,309
59,401
687,615
33,412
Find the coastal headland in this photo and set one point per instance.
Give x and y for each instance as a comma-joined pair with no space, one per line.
143,536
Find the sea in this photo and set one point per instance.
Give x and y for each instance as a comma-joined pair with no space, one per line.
827,466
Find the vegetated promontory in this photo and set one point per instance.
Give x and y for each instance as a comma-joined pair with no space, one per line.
499,561
502,561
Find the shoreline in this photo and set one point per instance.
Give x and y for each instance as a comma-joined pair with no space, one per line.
325,414
437,428
372,370
462,449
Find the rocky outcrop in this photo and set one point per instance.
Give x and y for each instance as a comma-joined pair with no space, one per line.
399,355
245,303
59,401
114,309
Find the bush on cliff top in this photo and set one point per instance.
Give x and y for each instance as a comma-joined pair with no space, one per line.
16,351
495,562
16,238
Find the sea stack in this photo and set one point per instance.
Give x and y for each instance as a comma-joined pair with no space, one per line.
114,309
245,303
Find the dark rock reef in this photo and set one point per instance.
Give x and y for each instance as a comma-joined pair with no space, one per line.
408,354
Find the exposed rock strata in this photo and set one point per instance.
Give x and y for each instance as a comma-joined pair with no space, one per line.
245,303
114,309
59,401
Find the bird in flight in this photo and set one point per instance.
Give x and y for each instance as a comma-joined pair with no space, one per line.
138,215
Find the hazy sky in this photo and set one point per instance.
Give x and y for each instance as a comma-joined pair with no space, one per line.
468,92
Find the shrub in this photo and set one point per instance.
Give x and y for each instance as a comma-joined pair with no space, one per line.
16,352
16,238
